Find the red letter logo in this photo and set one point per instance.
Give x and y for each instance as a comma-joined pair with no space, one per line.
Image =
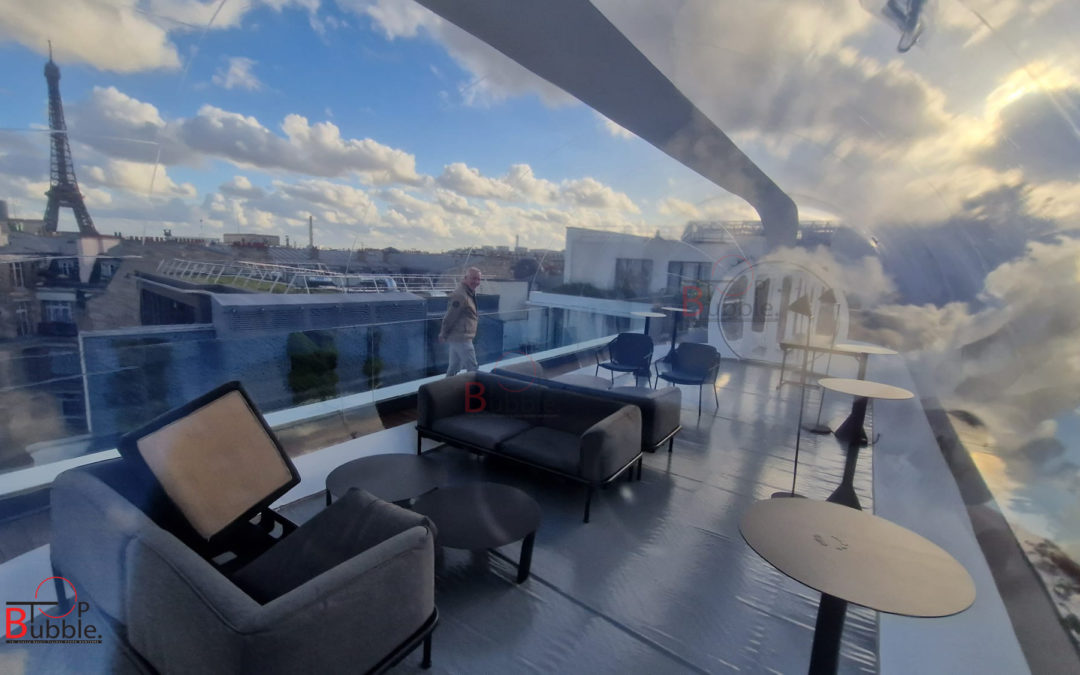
13,622
694,299
478,395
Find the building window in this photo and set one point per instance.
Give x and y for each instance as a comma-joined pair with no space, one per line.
632,277
682,274
22,318
56,311
18,275
108,268
67,267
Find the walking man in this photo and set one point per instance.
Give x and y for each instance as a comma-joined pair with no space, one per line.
459,324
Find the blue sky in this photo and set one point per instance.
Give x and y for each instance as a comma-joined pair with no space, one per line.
405,93
387,123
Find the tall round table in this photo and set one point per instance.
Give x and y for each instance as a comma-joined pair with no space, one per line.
676,313
861,354
853,556
648,316
851,431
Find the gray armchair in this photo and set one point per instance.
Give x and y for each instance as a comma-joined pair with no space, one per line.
179,613
177,545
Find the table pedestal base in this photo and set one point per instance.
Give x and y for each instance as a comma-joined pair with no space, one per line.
852,428
825,656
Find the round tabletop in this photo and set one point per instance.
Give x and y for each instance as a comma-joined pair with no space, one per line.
679,309
858,557
477,516
649,315
873,350
390,477
865,388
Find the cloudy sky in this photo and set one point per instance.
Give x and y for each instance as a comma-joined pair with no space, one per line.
393,127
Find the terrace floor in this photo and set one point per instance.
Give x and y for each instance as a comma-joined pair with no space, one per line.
661,580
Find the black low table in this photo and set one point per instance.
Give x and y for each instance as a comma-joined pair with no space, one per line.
390,477
479,516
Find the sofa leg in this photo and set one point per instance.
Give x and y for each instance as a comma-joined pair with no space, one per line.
588,501
426,663
671,443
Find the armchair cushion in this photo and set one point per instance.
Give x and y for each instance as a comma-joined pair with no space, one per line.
347,527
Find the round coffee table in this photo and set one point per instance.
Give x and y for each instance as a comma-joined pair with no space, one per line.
852,556
479,516
390,477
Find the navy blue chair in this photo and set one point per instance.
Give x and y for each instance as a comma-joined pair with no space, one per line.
691,363
629,353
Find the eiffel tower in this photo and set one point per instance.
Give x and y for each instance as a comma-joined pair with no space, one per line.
64,189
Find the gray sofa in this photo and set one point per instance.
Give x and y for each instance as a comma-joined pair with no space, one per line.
660,408
587,439
174,612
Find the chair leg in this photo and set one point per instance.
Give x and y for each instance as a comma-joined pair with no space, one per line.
699,393
418,443
715,396
670,444
63,604
588,501
597,370
426,663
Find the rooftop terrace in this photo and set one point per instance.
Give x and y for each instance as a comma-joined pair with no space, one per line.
661,580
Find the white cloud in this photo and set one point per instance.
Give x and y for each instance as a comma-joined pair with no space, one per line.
138,178
495,77
613,129
521,185
468,181
241,186
591,193
238,75
108,35
125,128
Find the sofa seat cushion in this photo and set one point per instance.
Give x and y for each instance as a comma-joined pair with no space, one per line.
481,429
547,447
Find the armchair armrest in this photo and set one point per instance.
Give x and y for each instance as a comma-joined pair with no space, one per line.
185,616
439,399
611,443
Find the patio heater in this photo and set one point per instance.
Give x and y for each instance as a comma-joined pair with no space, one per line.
801,306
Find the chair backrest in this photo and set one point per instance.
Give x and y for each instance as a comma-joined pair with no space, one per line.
694,357
216,459
631,349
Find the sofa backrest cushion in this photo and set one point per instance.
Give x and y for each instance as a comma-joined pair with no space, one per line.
574,413
505,396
